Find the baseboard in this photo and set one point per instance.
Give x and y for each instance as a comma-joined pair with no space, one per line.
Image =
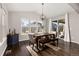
3,46
75,42
4,50
72,41
23,40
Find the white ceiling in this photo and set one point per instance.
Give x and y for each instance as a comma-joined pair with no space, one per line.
75,6
50,9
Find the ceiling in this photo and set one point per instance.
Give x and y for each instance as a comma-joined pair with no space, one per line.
50,9
75,6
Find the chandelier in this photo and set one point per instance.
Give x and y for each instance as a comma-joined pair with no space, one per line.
42,15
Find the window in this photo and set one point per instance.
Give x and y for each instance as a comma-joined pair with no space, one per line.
58,26
36,26
54,26
31,25
3,25
25,25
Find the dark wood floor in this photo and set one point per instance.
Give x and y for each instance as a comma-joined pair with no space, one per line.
67,49
18,50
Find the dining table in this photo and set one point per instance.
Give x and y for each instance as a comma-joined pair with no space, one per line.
38,36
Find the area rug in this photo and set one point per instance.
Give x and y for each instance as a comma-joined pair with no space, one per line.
53,47
8,52
31,51
34,53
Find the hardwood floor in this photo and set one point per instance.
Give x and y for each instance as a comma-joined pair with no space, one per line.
67,49
18,50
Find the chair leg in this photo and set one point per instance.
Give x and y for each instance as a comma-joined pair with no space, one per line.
29,43
33,45
57,42
41,45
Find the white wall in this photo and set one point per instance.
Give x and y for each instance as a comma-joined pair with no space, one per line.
3,29
73,18
15,20
74,26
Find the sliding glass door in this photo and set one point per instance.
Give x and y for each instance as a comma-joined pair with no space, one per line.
58,27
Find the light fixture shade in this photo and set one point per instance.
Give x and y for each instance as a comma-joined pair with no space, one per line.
42,15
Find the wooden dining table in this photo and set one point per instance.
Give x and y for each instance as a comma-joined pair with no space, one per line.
38,36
